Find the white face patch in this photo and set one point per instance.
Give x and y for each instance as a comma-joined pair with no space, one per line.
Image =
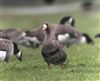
2,55
23,34
63,38
70,20
44,26
18,54
83,39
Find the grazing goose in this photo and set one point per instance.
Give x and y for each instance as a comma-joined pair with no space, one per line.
15,35
67,20
35,37
66,34
97,35
86,38
7,49
52,50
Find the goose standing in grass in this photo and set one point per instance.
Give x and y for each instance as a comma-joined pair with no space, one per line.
52,51
7,49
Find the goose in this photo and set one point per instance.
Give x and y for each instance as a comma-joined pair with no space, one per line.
7,49
66,34
86,38
97,35
14,34
69,20
52,51
35,37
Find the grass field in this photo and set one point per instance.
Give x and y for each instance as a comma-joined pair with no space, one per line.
84,60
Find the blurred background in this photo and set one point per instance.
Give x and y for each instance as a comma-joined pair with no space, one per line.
32,13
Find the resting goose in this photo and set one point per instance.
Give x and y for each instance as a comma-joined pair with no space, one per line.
7,49
52,50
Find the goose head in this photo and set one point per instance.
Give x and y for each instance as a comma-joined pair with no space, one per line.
86,38
67,20
17,52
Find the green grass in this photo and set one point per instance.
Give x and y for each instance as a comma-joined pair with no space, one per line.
84,60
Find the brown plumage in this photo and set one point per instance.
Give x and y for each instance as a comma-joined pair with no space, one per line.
35,37
52,50
12,34
7,49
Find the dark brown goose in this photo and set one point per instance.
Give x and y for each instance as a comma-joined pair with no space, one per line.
52,50
15,35
7,49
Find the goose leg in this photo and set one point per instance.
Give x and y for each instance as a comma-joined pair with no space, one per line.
6,59
49,65
62,65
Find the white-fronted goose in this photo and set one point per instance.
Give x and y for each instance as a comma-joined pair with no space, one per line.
52,50
97,35
7,49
